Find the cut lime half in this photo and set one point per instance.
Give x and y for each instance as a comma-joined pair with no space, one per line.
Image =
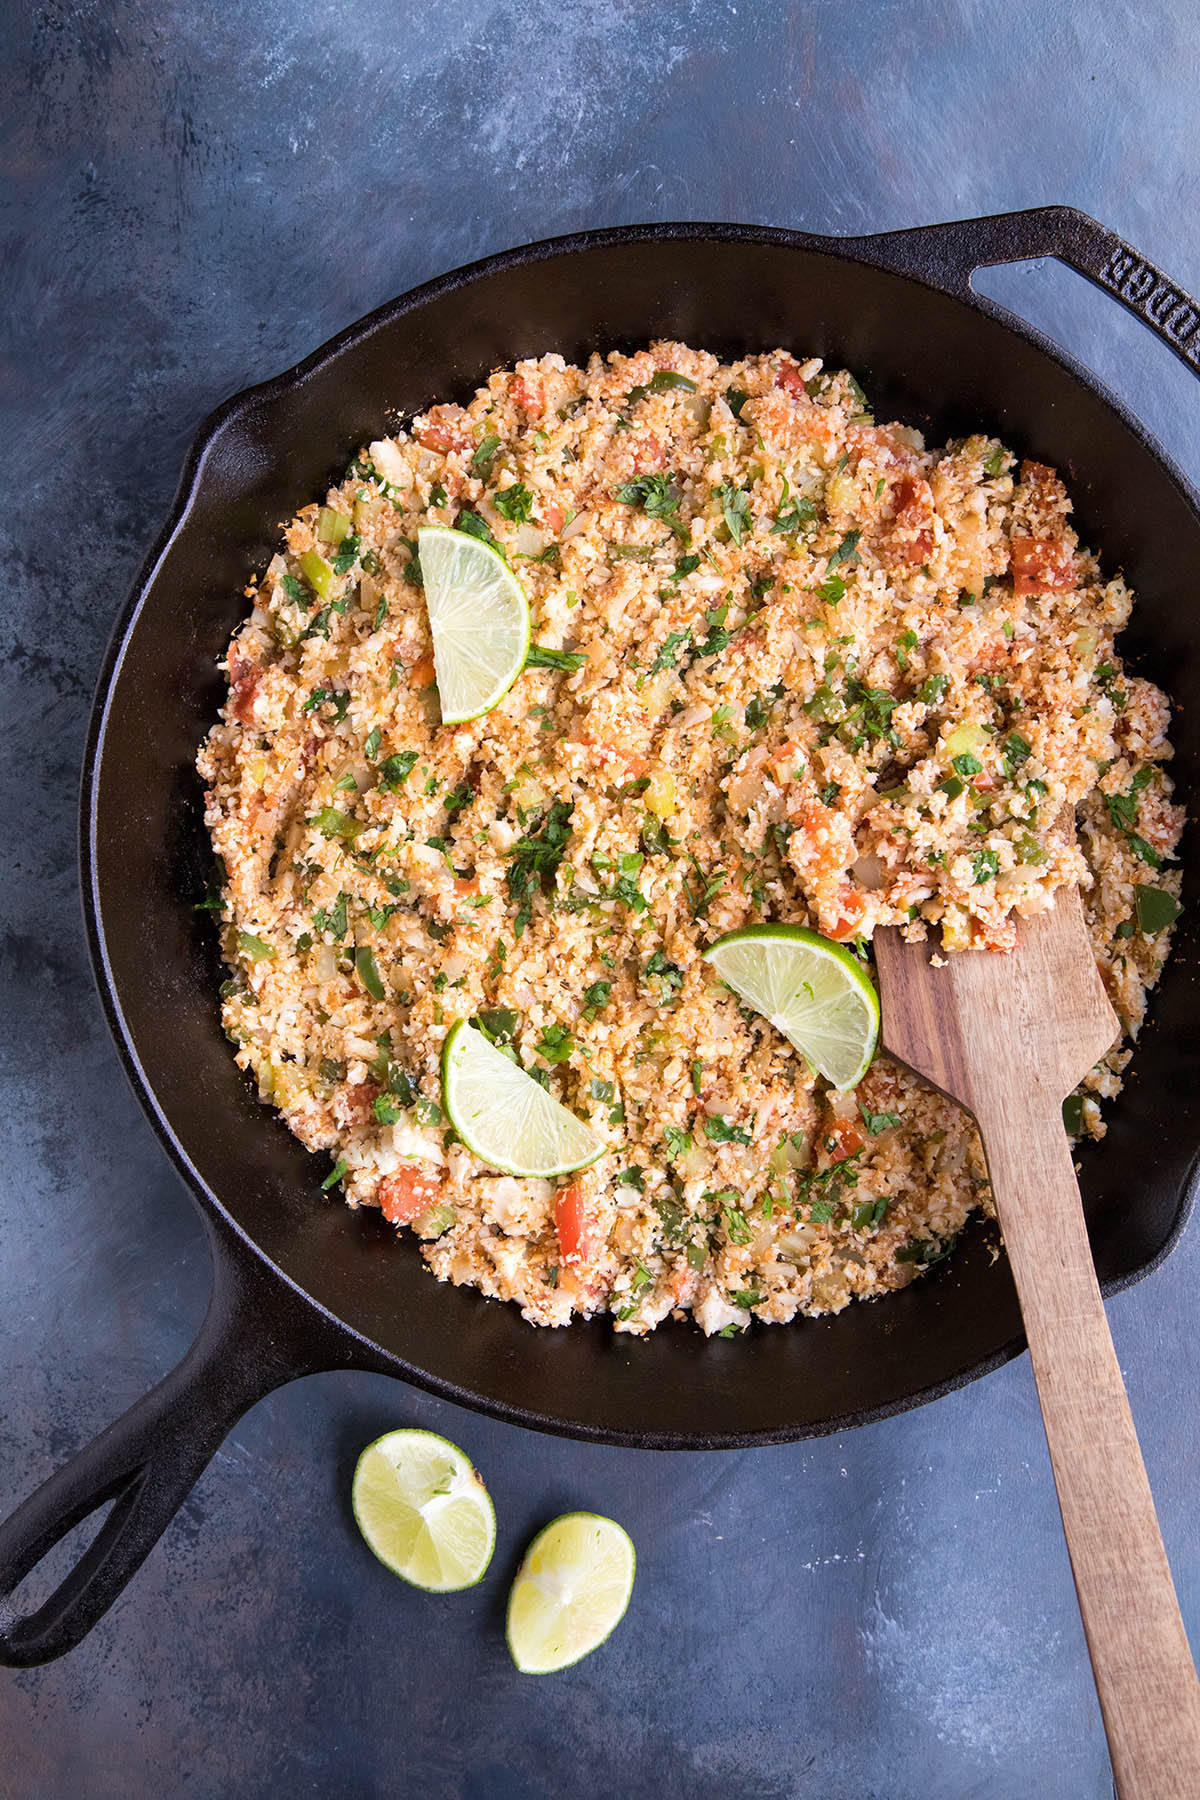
479,618
811,989
504,1116
424,1510
570,1592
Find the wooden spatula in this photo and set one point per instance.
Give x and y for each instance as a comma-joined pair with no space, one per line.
1009,1037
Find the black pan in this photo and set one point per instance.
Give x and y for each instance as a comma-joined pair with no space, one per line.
300,1282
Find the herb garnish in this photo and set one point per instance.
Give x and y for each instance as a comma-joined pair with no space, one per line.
395,770
735,505
540,657
534,859
657,499
718,1129
514,503
669,974
482,460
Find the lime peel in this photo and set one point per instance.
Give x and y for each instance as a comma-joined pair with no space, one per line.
570,1592
504,1116
424,1510
479,619
810,989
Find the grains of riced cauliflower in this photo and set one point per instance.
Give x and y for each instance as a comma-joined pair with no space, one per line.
875,697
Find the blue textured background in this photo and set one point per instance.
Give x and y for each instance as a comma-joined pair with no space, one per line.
192,197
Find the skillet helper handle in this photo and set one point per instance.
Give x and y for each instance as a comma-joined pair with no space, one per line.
949,254
255,1337
1149,1695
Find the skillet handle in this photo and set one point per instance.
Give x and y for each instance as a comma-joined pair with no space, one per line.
948,255
257,1335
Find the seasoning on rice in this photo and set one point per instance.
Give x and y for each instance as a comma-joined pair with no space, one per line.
789,665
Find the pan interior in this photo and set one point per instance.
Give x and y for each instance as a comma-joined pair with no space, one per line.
928,360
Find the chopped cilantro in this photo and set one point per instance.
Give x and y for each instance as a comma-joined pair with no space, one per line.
793,514
332,918
1156,909
595,998
534,859
718,1129
476,526
482,460
657,499
668,651
541,658
669,974
846,552
338,698
1017,750
555,1044
514,503
395,770
735,506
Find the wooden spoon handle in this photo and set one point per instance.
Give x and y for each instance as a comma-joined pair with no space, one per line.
1149,1696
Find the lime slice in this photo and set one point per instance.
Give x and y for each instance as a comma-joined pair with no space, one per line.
571,1589
479,618
503,1115
810,988
424,1510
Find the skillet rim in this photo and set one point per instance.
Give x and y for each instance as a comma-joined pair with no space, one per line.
870,250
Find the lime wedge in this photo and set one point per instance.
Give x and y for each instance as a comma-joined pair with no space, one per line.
571,1589
479,618
503,1115
810,988
424,1510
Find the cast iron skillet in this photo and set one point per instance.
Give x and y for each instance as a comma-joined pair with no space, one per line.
300,1282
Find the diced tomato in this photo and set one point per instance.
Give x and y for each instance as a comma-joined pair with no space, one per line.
528,396
789,378
353,1102
465,884
553,516
438,432
911,537
244,677
847,1139
573,1225
850,908
1041,565
648,456
421,673
408,1193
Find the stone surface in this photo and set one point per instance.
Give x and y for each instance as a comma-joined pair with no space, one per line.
191,198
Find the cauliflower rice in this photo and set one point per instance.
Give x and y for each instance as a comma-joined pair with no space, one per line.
790,665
